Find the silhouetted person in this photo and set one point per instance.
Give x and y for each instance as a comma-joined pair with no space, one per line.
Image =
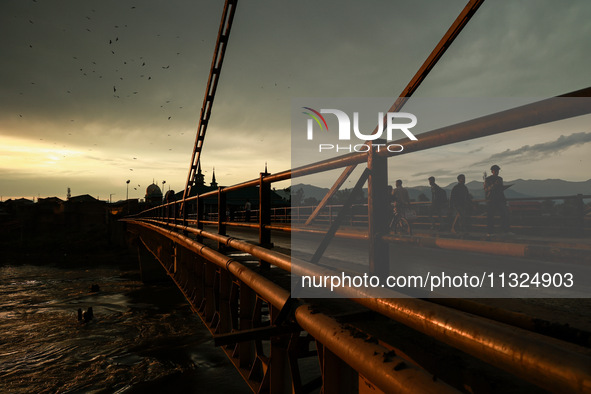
460,203
438,203
247,207
85,316
494,191
400,196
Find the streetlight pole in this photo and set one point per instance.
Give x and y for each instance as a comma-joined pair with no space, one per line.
127,196
110,195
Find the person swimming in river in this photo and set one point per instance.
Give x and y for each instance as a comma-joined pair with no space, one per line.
85,317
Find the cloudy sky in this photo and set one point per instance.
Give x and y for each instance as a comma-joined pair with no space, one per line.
96,93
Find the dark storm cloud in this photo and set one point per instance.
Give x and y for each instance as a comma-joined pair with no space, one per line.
102,62
136,65
518,48
117,76
537,151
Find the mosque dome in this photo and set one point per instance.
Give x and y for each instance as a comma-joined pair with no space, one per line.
153,191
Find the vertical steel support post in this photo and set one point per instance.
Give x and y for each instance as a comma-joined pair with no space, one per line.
221,215
264,214
200,213
337,376
378,206
294,351
209,283
225,325
189,264
175,263
247,304
199,279
280,380
173,207
183,215
181,272
215,321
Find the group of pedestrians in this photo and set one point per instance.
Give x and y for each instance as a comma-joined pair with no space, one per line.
458,209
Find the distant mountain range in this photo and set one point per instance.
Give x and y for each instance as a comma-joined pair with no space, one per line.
520,188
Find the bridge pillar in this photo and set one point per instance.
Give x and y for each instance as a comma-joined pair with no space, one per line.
378,211
264,215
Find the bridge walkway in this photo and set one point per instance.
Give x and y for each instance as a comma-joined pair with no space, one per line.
441,361
350,344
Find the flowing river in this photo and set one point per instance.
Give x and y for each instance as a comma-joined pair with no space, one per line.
143,338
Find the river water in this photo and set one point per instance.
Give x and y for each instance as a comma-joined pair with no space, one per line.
144,338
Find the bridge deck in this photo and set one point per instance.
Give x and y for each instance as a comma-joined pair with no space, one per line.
442,361
557,323
567,311
436,356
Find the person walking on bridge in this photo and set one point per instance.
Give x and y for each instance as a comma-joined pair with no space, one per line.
460,202
438,203
494,191
400,197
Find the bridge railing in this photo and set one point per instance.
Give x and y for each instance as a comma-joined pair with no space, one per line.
551,216
544,111
453,329
231,300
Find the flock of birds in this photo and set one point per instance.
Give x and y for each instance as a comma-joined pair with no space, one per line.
104,56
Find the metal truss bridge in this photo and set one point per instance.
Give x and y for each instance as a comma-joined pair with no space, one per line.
237,274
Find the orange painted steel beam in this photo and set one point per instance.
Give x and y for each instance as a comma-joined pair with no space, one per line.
212,83
445,42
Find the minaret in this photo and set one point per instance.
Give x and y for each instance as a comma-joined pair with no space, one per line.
213,182
199,178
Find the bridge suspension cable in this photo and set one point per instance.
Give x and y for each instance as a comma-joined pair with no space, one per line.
460,22
212,83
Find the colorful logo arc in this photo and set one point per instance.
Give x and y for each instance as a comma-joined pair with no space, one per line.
316,115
